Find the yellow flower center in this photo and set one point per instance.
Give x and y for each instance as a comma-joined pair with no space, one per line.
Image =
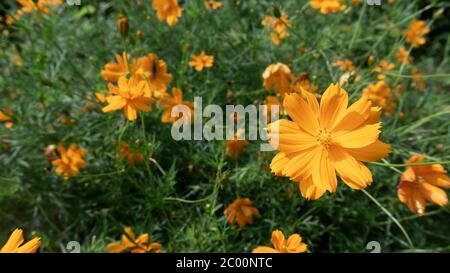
324,138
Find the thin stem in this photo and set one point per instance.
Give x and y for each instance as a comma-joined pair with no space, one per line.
408,239
410,164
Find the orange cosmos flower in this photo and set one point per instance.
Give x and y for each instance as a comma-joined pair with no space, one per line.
278,26
70,161
167,10
357,3
416,32
402,56
15,244
133,244
345,65
113,71
211,4
325,139
302,84
419,184
383,66
293,244
7,119
122,25
132,157
241,210
418,79
169,102
278,76
154,72
328,6
381,95
236,146
129,95
100,97
44,5
201,61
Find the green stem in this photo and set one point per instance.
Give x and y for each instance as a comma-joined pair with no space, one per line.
408,239
410,164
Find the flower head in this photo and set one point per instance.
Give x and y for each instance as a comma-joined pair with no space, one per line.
70,161
135,245
133,157
211,4
122,25
326,139
129,95
236,145
419,184
7,119
402,55
418,79
15,244
293,244
169,102
415,34
278,26
153,71
278,76
381,95
242,211
345,65
328,6
113,71
201,61
383,66
167,10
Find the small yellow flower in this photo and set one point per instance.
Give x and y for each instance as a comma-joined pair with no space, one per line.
169,102
129,242
328,6
402,56
293,244
129,95
167,10
419,184
278,26
15,243
345,65
70,161
242,211
415,34
418,79
201,61
278,76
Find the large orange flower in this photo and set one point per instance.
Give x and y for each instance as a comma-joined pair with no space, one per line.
242,211
325,139
15,243
167,10
419,184
70,161
293,244
154,72
129,95
135,245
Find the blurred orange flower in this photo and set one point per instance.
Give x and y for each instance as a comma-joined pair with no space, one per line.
135,245
201,61
328,6
293,244
15,243
419,184
402,56
278,76
380,94
242,211
130,96
278,26
236,145
415,34
345,65
418,79
7,119
211,4
167,10
122,25
169,102
383,66
154,72
113,71
132,157
70,161
325,139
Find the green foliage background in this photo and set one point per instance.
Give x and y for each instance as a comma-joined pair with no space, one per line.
181,202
